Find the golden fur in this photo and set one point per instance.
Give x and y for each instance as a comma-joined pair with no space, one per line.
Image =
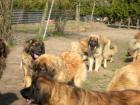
48,92
134,47
80,47
128,77
103,52
31,46
95,53
67,67
26,67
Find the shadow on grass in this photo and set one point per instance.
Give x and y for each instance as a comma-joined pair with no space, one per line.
129,59
7,98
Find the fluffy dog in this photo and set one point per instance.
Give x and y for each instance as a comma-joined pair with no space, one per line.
110,53
134,47
80,47
100,50
95,52
4,51
68,67
32,50
45,91
128,77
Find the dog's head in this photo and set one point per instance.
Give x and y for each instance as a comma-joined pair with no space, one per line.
137,36
39,91
34,47
4,50
44,63
93,41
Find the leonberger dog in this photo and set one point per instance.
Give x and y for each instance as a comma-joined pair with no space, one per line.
4,51
81,47
128,77
68,67
32,50
134,47
100,50
45,91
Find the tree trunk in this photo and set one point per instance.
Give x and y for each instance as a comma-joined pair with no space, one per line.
43,19
129,22
5,18
60,23
138,23
77,15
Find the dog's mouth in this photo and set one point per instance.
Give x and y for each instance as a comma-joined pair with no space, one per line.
36,56
29,101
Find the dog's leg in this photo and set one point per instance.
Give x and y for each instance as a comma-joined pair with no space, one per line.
80,75
27,77
98,62
91,61
111,59
84,57
27,81
105,63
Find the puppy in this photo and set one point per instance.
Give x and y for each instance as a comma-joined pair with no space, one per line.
45,91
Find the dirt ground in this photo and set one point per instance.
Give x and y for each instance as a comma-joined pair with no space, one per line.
12,79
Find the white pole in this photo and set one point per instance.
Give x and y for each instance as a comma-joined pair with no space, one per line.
91,18
48,20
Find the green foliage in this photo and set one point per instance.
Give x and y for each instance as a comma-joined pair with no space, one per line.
29,4
110,8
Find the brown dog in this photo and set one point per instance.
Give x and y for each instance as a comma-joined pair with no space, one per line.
45,91
32,50
68,67
4,51
128,77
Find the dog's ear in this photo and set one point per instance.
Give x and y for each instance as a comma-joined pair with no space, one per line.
89,40
28,44
98,42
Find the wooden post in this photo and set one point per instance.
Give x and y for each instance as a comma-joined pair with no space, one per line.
120,23
43,18
77,15
129,22
138,23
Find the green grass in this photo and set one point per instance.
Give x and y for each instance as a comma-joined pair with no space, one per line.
30,28
100,80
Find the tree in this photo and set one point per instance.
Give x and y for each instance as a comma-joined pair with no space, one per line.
5,17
